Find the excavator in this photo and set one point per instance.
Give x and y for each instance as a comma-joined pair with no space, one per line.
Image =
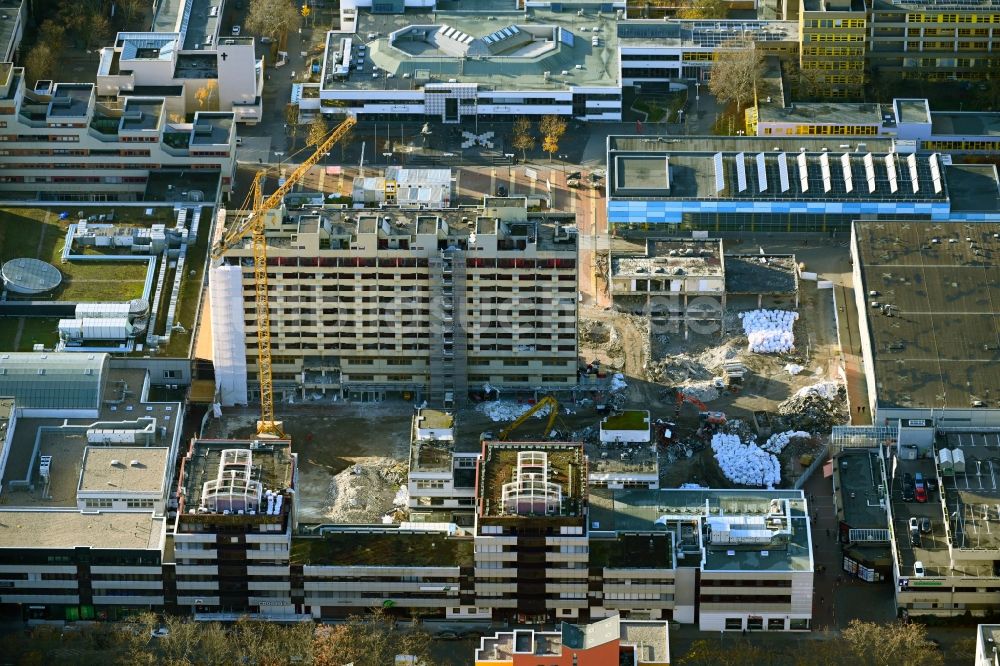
714,418
548,401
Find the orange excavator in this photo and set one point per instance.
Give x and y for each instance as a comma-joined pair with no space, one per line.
715,418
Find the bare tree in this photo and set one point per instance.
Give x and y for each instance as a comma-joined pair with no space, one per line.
705,9
735,72
893,644
318,130
524,136
369,640
292,121
131,8
272,18
552,128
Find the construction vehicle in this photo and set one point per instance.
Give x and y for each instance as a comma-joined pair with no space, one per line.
505,434
714,418
253,224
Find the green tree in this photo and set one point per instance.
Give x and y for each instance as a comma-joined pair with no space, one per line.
524,136
130,9
735,72
272,18
39,64
552,128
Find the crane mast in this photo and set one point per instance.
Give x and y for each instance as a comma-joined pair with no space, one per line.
253,224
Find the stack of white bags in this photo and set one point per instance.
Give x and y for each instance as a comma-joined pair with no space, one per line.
776,443
769,331
745,464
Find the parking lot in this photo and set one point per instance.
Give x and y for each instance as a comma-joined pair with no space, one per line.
928,546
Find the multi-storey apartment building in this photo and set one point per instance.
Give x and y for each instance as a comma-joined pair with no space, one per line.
232,535
57,142
442,476
419,304
833,43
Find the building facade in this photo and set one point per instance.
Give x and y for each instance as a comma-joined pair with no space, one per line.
58,143
421,305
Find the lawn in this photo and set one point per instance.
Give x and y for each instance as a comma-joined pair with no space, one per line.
660,108
630,420
40,234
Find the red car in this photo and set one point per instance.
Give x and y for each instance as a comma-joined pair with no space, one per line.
920,488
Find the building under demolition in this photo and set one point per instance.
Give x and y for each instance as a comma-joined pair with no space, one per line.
415,304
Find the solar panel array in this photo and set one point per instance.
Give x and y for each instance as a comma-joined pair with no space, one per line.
890,176
890,169
911,162
845,164
935,173
741,171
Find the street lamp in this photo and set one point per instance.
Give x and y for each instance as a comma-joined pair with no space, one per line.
387,156
510,162
697,96
279,154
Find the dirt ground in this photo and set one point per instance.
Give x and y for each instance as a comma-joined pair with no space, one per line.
620,342
329,438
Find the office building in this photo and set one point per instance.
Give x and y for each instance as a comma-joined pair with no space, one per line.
86,471
235,518
186,59
788,184
416,304
927,326
60,143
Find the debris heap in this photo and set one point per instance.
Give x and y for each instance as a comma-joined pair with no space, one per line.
769,331
745,464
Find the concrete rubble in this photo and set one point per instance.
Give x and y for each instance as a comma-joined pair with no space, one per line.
367,491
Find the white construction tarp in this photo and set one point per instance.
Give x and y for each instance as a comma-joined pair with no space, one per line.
225,293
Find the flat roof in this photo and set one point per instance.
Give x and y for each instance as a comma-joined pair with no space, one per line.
212,128
912,111
761,274
113,469
505,49
667,257
532,226
54,380
973,187
10,10
939,347
499,462
989,636
964,124
138,530
709,168
141,114
633,551
639,510
271,465
202,23
650,638
71,99
860,478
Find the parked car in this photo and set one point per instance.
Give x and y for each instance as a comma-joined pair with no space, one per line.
447,636
919,488
574,175
914,533
573,182
918,569
236,31
925,525
909,491
501,191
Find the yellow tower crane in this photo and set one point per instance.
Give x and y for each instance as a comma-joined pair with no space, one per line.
253,224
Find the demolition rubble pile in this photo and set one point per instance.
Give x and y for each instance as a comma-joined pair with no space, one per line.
505,410
769,331
368,491
776,443
745,464
815,408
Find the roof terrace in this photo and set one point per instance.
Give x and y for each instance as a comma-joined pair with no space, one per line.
532,480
